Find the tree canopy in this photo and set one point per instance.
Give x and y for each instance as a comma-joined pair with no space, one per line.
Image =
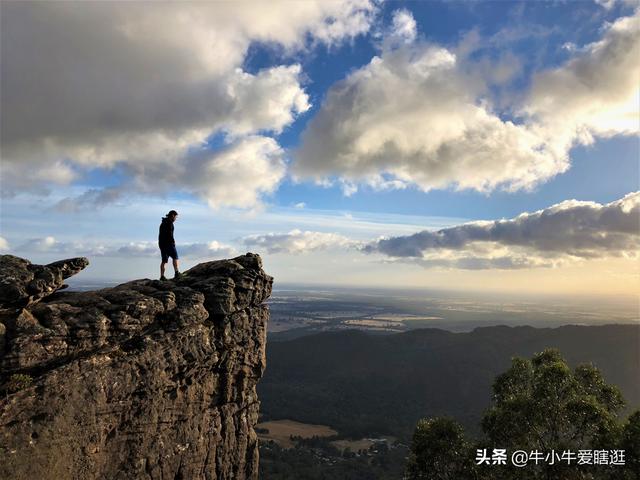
538,405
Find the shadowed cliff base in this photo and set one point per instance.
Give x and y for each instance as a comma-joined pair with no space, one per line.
150,379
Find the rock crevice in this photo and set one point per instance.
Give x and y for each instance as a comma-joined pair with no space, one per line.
150,379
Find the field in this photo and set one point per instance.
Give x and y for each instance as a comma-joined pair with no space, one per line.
280,431
361,444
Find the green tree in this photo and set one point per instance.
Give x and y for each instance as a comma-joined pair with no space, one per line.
539,405
631,445
439,450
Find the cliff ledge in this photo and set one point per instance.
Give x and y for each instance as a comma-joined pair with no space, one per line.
147,380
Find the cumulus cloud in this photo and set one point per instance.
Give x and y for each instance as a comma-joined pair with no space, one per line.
4,244
100,84
570,229
297,241
403,28
90,199
44,244
596,93
50,244
412,117
236,175
420,115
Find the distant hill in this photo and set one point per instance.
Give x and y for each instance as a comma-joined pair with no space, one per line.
363,384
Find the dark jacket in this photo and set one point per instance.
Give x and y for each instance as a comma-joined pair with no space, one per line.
165,235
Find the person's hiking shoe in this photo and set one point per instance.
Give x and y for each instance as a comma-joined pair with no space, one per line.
177,275
163,278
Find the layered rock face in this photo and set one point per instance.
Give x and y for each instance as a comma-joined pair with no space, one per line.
148,380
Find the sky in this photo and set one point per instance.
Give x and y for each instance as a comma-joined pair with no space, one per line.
481,146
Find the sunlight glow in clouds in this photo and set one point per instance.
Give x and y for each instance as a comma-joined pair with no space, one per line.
564,232
596,93
152,85
414,116
315,131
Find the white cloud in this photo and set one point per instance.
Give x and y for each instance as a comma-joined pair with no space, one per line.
419,115
410,115
568,232
560,233
596,93
470,262
237,174
50,244
209,249
609,4
297,241
90,200
132,249
403,27
293,242
98,84
191,250
4,244
44,244
606,4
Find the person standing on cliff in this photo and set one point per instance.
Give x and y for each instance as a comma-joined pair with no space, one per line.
167,244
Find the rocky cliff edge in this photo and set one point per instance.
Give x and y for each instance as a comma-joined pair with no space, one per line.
147,380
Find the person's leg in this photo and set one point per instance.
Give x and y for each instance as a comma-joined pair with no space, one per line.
174,257
163,262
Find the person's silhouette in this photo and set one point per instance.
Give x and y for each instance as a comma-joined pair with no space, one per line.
167,244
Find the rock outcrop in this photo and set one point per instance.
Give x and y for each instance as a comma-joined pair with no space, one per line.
22,283
147,380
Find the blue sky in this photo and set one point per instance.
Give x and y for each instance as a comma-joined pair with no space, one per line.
309,131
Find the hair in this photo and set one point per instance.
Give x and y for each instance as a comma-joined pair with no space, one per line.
172,213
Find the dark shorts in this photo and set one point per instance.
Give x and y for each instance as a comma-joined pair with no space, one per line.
168,251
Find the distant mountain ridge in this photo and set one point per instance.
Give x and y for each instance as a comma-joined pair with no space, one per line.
363,384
